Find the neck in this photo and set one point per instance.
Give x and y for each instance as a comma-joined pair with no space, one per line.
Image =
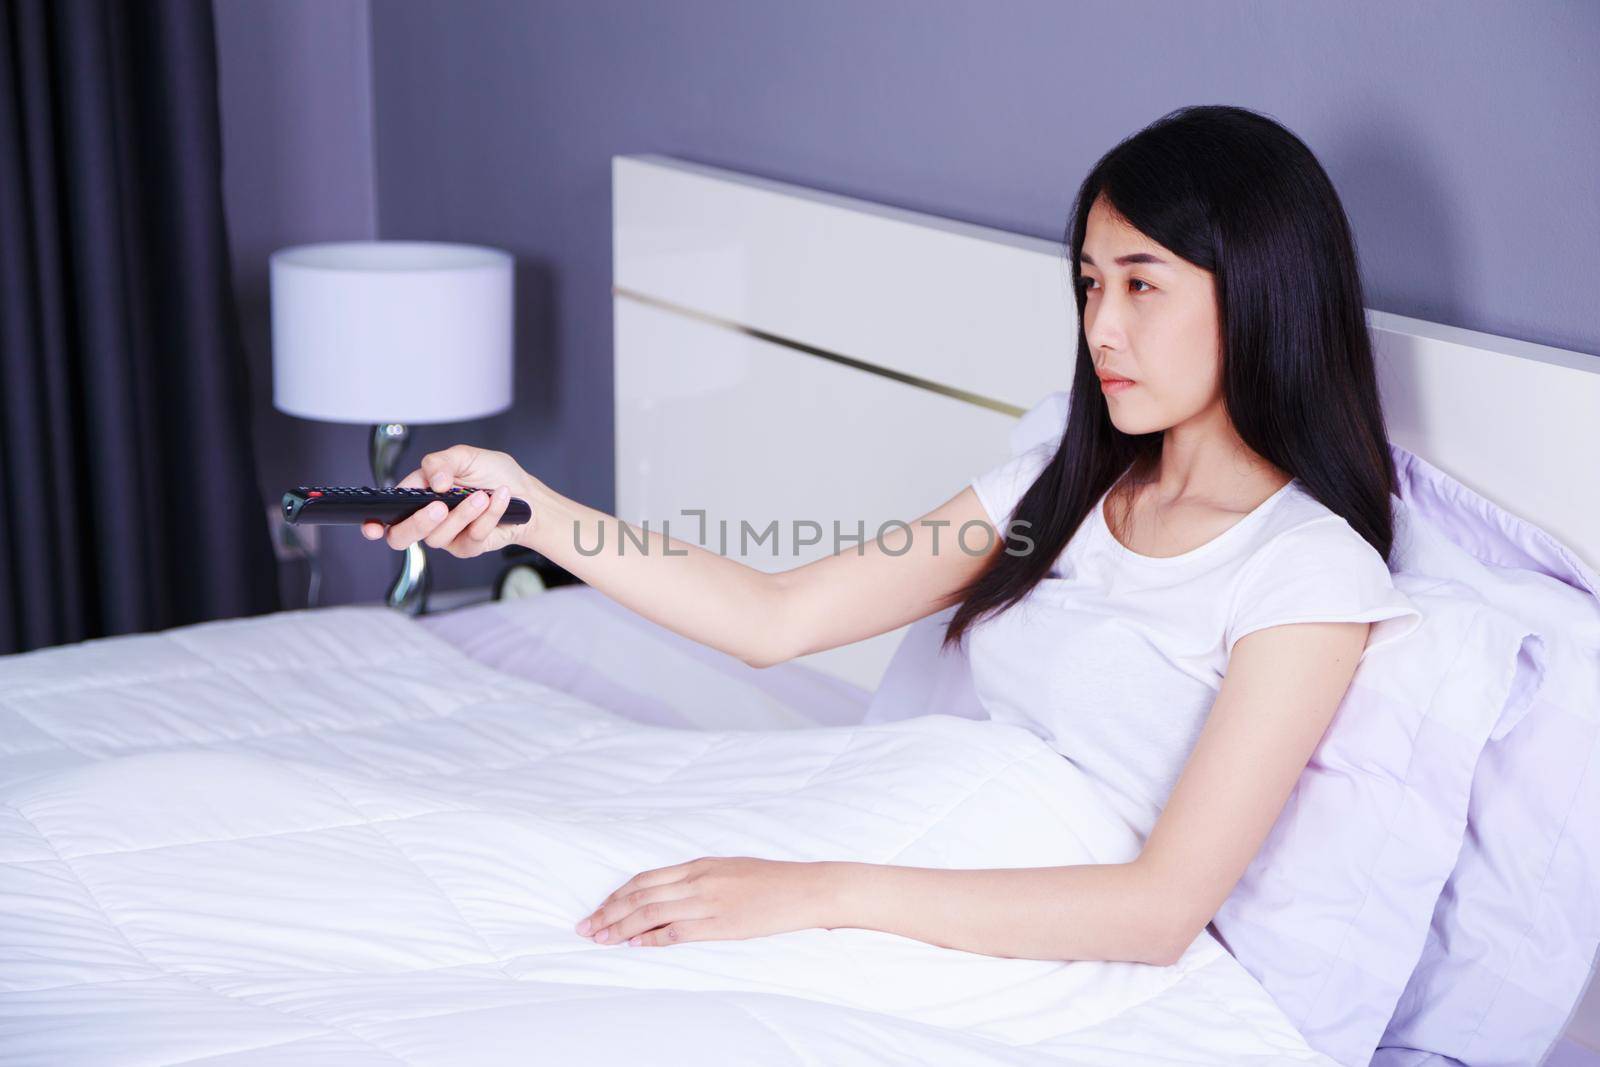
1204,458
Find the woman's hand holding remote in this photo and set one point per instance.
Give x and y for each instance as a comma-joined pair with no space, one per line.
472,527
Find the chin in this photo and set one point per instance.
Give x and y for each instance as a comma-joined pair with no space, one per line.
1133,414
1133,422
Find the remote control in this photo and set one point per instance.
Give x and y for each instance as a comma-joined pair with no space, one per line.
355,504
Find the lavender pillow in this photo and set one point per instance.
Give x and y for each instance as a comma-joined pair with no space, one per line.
1516,931
1332,912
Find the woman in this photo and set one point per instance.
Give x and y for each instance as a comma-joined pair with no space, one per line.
1205,557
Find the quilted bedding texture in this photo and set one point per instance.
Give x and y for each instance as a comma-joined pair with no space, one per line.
329,837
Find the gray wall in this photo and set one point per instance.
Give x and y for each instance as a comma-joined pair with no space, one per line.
1462,136
298,166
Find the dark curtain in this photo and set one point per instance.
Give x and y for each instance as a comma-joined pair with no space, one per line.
128,492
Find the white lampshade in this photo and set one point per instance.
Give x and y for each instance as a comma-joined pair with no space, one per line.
391,331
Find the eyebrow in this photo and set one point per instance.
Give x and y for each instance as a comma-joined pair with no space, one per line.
1134,257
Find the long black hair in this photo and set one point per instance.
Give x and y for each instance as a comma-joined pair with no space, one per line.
1234,193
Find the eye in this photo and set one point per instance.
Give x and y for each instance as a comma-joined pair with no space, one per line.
1084,282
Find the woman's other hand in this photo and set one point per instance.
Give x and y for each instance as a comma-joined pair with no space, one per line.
715,898
472,527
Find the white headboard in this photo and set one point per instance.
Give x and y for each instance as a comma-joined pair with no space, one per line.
788,354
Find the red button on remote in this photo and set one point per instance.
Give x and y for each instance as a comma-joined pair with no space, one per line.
315,492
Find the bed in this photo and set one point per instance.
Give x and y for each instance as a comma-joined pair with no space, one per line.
349,836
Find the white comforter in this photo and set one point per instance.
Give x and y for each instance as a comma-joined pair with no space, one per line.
329,837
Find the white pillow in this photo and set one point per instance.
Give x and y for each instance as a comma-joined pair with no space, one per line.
919,679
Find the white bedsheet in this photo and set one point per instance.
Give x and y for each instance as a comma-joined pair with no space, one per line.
329,837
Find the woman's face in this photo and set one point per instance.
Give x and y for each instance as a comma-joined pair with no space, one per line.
1151,317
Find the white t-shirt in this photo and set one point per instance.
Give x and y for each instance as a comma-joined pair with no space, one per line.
1115,658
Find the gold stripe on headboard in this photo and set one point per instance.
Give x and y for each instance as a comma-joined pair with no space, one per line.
812,350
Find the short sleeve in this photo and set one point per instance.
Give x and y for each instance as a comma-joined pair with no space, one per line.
1000,487
1321,571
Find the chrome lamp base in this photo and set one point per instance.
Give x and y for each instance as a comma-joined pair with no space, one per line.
409,593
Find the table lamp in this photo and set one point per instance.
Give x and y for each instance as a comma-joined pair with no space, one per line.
392,333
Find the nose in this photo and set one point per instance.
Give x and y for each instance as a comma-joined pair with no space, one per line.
1103,325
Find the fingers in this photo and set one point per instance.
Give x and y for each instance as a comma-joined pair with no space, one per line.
436,525
646,910
457,519
680,930
479,514
662,883
440,469
485,524
373,530
644,880
417,525
648,918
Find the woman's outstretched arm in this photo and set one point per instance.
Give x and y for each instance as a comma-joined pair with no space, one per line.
1282,687
762,618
